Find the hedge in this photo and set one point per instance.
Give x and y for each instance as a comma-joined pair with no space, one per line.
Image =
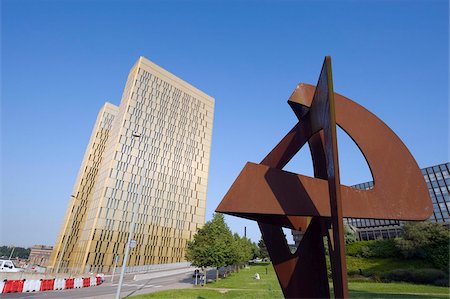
423,276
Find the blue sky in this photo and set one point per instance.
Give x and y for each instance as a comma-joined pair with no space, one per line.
61,60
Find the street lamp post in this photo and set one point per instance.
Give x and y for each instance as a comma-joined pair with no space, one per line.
12,251
61,255
130,233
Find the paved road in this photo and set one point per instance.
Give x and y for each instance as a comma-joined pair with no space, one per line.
108,290
129,288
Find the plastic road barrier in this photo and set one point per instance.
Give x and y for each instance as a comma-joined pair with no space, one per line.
32,285
13,286
86,282
92,281
36,285
60,284
78,283
69,283
47,284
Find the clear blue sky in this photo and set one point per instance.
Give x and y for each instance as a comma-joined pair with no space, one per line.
61,60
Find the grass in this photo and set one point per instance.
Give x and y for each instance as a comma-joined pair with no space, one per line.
196,293
243,285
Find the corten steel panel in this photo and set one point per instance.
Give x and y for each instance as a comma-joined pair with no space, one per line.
278,190
395,172
277,198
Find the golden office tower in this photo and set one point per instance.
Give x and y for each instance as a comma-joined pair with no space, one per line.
155,153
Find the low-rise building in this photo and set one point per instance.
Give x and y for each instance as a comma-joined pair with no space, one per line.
40,255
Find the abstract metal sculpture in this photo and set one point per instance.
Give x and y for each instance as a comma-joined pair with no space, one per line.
276,198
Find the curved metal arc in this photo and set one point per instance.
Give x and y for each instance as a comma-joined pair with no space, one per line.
393,168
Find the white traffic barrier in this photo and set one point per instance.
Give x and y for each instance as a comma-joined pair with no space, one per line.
93,281
32,285
2,284
60,284
78,283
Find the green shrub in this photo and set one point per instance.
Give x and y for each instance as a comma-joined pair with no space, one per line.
399,275
376,248
427,276
366,252
442,282
421,276
355,249
384,248
426,240
438,254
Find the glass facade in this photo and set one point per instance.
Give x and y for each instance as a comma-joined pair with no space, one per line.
438,181
156,157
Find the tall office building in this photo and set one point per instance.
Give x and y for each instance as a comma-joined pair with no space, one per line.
438,181
152,151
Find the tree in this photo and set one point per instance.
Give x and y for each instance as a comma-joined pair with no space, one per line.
244,249
236,251
263,253
212,246
255,251
19,252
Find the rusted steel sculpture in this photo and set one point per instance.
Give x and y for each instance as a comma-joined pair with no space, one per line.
276,198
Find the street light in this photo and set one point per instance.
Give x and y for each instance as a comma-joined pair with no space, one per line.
67,236
130,233
12,251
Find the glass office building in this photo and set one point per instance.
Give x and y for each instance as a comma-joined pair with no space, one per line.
152,151
438,181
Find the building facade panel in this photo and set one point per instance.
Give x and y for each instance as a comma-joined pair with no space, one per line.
157,157
79,202
39,255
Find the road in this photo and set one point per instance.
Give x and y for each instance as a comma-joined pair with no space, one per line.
107,290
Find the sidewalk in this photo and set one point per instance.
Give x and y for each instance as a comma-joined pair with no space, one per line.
156,274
